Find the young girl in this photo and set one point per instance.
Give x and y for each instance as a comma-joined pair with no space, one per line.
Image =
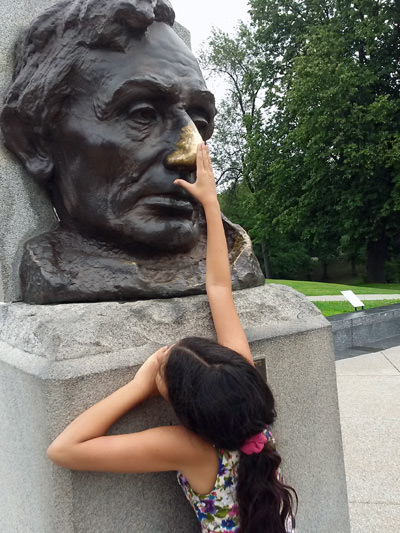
224,452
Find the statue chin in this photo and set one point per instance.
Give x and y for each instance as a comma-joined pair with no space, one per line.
179,243
182,239
170,243
171,236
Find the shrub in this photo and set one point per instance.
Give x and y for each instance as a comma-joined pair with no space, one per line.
392,270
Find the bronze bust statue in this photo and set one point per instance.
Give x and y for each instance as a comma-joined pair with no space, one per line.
105,110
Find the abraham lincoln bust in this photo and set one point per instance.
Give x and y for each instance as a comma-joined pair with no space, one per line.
105,111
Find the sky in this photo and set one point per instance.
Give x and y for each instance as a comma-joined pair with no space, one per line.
201,16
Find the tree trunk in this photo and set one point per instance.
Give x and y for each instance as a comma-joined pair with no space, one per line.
265,254
353,268
376,257
325,271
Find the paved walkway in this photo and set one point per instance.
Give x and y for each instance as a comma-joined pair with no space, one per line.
369,402
341,298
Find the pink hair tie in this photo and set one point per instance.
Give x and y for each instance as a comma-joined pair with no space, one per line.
254,444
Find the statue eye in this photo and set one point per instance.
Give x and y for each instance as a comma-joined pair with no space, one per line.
200,120
142,113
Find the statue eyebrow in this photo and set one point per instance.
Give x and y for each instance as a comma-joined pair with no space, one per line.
105,105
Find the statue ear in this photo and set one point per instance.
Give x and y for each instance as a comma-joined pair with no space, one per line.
27,145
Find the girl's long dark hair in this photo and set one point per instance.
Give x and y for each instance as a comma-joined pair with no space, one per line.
217,394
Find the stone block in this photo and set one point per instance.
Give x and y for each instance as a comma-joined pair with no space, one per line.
57,360
364,328
25,211
183,33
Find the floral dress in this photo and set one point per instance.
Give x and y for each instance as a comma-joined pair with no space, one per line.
218,511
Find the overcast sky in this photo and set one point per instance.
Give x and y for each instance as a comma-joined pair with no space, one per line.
201,16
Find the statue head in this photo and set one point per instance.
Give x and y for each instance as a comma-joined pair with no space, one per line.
106,108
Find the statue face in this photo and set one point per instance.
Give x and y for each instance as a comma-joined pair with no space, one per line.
110,146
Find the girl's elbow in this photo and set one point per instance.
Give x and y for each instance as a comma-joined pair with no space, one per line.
58,455
53,453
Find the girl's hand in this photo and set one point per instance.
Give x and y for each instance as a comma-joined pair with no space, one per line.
146,376
204,189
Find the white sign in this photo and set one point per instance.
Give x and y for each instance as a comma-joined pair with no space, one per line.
353,299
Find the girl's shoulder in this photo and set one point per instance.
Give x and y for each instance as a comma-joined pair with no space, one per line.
202,462
217,509
190,447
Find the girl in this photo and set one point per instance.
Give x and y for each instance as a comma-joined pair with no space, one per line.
223,451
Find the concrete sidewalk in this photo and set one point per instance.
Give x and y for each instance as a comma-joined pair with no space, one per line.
369,402
341,298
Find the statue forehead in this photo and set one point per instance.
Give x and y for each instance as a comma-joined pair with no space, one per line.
160,55
158,64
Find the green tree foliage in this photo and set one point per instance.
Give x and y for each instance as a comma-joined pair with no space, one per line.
321,155
237,60
347,122
239,137
341,117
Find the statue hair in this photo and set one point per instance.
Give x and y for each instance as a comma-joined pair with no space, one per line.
219,395
46,53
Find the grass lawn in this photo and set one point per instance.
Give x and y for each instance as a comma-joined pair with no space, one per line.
394,287
336,308
316,288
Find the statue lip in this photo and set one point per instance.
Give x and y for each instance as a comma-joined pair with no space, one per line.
167,202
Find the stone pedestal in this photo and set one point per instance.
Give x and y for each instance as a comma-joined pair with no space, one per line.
55,361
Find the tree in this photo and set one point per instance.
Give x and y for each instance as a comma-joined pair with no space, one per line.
237,60
238,134
311,127
337,170
245,147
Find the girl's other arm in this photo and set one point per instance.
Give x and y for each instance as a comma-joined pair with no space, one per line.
229,330
83,446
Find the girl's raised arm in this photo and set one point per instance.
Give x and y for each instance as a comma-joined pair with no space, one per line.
229,330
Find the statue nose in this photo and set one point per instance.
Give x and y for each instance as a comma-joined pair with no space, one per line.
186,148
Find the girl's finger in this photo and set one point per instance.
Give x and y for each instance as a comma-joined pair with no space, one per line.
200,158
208,164
184,184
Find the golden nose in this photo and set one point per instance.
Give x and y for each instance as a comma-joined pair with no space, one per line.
186,148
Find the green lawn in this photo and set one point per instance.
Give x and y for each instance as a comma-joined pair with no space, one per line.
336,308
316,288
394,287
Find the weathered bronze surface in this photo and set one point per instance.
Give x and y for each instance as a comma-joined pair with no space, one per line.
106,109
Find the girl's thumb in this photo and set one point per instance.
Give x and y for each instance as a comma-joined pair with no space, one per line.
182,183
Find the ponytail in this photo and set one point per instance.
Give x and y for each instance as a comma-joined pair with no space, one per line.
266,504
217,394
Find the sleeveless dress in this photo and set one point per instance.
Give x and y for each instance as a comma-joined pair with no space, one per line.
218,511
